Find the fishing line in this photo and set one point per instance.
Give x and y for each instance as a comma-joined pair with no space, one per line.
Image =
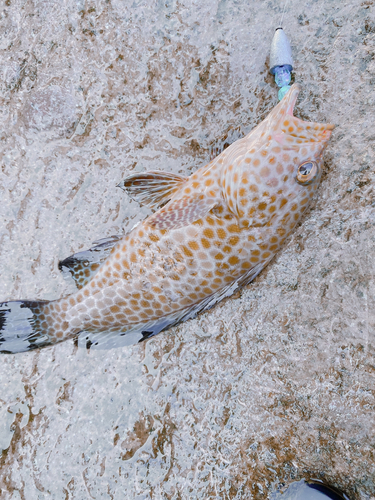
282,15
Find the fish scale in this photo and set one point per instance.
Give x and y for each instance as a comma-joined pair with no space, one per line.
213,232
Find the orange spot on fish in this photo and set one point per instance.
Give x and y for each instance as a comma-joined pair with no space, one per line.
154,237
265,172
209,233
193,245
233,228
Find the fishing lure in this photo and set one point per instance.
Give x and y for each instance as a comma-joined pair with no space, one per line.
281,61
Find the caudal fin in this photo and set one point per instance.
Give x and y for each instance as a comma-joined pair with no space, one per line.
21,326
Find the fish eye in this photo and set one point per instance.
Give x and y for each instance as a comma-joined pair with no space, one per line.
307,172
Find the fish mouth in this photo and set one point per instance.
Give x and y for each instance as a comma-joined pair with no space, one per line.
320,132
291,98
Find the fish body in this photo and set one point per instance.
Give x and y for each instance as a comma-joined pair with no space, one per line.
211,233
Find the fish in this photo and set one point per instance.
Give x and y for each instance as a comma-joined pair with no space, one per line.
209,234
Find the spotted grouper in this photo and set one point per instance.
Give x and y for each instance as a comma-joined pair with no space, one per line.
210,233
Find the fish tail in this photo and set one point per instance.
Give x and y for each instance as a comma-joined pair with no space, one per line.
23,326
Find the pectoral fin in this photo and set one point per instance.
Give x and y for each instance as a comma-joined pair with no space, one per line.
154,188
182,212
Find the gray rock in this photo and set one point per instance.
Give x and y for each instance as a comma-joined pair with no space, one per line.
51,107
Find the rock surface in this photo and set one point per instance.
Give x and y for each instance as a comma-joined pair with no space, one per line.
274,384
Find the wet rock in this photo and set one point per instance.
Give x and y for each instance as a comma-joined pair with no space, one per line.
50,108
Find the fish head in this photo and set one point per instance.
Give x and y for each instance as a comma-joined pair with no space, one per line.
307,139
272,173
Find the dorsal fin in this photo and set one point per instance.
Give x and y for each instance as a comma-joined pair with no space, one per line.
84,265
182,212
153,189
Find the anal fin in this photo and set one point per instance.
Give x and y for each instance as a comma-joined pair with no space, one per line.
128,335
84,265
153,188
